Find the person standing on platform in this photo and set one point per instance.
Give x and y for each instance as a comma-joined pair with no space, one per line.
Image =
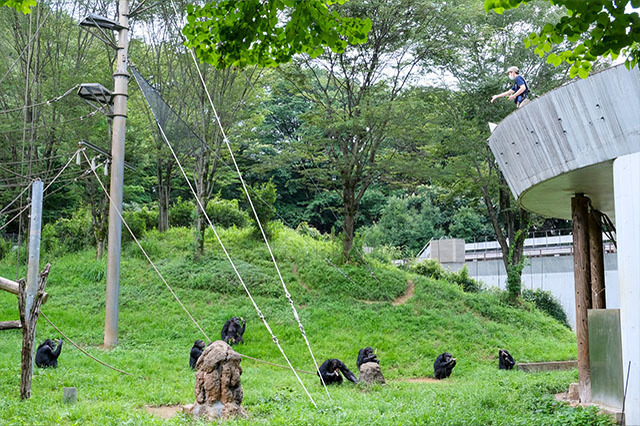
519,93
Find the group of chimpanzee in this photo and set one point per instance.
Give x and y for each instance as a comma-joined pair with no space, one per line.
332,370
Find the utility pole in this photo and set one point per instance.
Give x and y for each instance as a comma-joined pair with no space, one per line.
33,267
121,81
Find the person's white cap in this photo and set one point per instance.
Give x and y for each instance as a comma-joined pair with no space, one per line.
514,69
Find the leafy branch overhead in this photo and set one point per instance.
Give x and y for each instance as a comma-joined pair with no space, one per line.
23,6
266,33
599,28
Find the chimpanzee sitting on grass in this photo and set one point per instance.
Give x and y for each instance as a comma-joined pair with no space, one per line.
196,351
366,355
505,360
46,356
330,371
443,366
233,330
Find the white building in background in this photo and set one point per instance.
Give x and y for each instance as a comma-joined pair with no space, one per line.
549,265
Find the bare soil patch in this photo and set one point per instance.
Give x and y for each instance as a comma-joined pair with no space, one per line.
403,299
295,272
163,411
420,380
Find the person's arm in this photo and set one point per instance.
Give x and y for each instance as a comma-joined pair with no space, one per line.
518,92
502,95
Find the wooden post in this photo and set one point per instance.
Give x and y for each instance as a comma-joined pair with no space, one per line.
29,329
10,325
596,256
582,281
12,287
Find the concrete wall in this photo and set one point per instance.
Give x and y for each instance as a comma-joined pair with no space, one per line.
550,273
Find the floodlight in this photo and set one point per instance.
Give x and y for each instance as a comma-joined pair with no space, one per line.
93,20
95,92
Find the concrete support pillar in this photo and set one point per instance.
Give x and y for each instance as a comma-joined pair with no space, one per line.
626,183
596,258
582,281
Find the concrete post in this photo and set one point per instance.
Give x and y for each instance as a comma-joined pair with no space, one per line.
582,282
596,258
33,268
121,81
626,181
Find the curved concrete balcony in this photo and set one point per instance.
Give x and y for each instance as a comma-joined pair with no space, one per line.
565,142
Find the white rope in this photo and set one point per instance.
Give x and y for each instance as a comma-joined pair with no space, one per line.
44,190
139,245
15,199
49,102
244,186
215,232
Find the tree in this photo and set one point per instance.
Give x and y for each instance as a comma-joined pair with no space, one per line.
600,28
356,96
267,33
456,127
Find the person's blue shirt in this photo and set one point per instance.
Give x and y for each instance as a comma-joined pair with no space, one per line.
524,95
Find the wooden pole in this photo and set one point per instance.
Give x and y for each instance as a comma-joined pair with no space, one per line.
12,287
582,282
10,325
596,256
29,321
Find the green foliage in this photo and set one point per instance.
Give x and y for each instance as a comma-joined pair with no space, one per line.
226,213
304,228
267,33
514,273
406,223
467,223
23,6
433,269
547,303
68,235
182,213
137,225
5,247
598,28
264,198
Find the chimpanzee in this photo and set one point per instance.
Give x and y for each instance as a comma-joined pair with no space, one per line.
330,371
505,360
233,330
366,355
443,366
196,351
46,356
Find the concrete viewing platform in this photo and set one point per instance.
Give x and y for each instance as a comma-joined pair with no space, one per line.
565,142
574,153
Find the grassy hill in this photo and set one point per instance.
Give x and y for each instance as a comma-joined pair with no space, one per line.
341,315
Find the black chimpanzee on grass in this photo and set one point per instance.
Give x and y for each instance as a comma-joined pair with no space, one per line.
196,351
366,355
505,360
233,330
330,371
443,366
47,354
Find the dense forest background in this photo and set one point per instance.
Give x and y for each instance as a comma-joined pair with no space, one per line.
383,145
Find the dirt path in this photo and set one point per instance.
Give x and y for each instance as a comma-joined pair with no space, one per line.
403,299
420,380
295,272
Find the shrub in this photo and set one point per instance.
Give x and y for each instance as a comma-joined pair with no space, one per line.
182,213
5,247
433,269
226,213
547,303
264,199
137,224
304,228
72,234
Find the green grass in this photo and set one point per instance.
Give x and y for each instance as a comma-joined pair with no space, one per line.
156,336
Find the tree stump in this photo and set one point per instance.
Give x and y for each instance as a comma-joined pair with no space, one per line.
218,390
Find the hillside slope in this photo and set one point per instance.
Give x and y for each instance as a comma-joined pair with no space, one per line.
341,315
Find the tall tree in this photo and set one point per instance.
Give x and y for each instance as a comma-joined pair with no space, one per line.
354,94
